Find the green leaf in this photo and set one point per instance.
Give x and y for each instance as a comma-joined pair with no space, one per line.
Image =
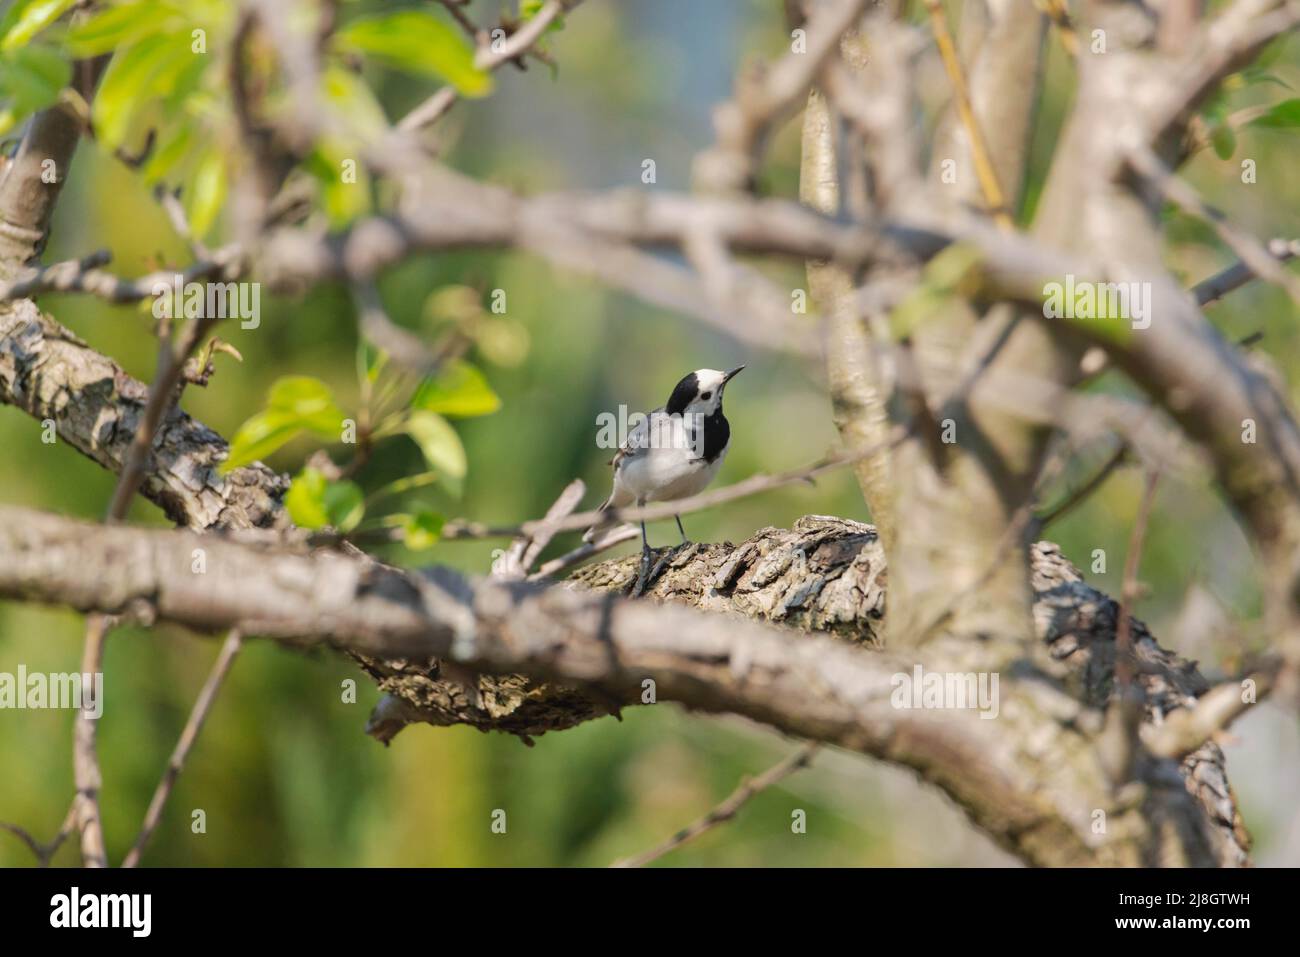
1281,116
309,402
258,437
530,8
417,42
305,499
955,270
422,530
345,505
26,18
439,442
459,390
207,192
32,78
175,144
314,502
151,68
1224,141
120,26
354,101
295,404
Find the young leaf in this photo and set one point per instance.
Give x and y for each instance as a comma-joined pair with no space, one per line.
148,69
459,390
307,401
314,502
1224,141
417,42
32,77
121,25
258,437
207,192
26,18
439,442
422,530
305,499
1281,116
345,505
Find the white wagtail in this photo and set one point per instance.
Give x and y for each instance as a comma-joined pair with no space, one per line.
672,453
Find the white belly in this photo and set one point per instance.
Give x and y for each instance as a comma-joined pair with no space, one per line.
665,474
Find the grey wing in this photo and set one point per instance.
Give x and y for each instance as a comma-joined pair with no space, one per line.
638,440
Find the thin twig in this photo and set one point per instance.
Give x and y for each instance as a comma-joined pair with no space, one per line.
1186,729
85,760
519,43
580,521
1253,253
45,852
984,170
165,389
728,808
1084,491
522,40
189,734
1125,662
562,563
1214,288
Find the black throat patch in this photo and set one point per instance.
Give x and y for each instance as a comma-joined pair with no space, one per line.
717,432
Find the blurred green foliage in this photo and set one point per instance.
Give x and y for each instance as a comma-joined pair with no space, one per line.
283,770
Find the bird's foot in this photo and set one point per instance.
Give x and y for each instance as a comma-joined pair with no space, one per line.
643,575
649,574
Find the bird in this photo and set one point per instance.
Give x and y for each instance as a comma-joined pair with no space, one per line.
672,453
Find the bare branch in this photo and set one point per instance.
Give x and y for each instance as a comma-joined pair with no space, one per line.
1252,252
728,809
189,734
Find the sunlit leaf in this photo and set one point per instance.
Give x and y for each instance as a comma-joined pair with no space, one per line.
439,442
31,78
422,530
345,505
305,499
150,68
121,25
175,144
314,502
259,436
1281,116
309,401
207,192
459,390
26,18
417,42
351,97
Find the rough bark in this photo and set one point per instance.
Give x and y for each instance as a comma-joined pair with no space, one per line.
49,373
1034,779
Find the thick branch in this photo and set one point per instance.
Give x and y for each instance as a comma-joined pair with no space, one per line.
96,407
1030,778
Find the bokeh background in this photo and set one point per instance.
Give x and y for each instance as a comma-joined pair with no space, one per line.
283,770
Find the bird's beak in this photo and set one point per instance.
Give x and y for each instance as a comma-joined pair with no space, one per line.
732,374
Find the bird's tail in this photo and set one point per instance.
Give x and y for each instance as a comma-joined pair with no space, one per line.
591,534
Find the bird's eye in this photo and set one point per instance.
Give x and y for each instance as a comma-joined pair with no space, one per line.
707,396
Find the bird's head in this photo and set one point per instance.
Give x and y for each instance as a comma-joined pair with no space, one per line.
700,392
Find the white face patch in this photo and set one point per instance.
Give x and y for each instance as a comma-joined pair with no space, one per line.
708,396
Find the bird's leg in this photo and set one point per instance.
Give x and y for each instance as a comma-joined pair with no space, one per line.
646,555
685,540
